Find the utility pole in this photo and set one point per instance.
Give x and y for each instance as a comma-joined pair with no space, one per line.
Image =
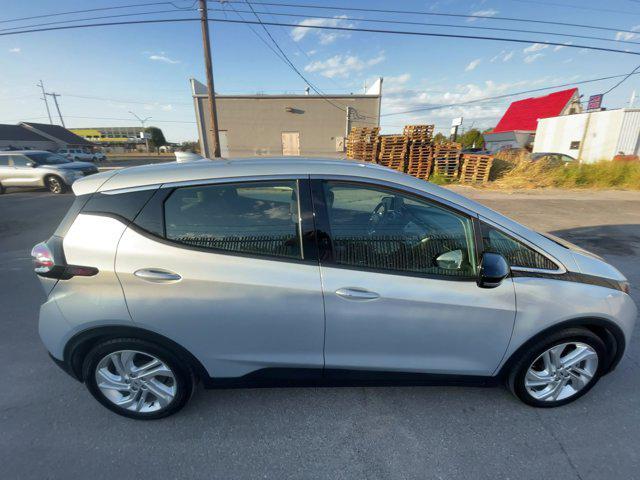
213,116
44,97
55,101
144,133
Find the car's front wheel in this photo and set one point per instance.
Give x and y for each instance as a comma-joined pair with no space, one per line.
137,379
559,369
55,184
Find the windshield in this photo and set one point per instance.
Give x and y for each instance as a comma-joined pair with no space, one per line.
47,158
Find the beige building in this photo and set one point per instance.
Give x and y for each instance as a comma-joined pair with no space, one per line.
309,125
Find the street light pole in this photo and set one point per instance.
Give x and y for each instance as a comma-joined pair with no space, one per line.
213,116
144,133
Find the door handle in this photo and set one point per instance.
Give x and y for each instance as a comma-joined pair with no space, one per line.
354,293
157,275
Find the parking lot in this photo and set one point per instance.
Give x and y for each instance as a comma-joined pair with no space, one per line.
50,427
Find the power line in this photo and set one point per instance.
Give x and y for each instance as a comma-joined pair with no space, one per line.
578,7
426,24
295,69
507,95
324,27
360,19
632,72
88,10
435,14
60,22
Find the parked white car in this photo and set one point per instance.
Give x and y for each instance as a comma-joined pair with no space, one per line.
79,154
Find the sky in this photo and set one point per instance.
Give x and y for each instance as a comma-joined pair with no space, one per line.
102,74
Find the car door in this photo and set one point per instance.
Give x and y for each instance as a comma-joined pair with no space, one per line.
227,270
21,172
5,169
399,280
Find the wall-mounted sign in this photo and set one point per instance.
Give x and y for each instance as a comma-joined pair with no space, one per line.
595,102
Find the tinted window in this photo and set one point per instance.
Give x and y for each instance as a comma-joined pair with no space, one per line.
382,229
256,218
47,158
19,160
516,253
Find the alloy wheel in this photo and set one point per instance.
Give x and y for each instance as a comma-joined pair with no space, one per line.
136,381
561,371
55,186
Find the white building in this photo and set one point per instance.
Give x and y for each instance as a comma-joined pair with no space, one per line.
590,137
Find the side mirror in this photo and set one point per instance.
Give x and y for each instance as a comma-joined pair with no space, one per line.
451,260
493,270
30,164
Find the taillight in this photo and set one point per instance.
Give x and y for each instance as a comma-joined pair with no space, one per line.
43,261
50,265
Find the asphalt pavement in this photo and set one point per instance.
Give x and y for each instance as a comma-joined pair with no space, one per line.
51,428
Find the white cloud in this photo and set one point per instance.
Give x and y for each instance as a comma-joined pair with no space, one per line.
628,35
312,52
166,108
490,12
396,84
326,37
560,47
15,50
503,55
472,65
163,58
533,58
342,65
536,47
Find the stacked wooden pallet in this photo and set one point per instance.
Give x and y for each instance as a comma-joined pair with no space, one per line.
420,151
393,151
362,144
475,168
420,159
422,133
446,159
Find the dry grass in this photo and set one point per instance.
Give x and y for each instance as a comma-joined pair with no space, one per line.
540,174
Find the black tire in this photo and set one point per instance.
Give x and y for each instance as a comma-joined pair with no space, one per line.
516,378
55,184
184,376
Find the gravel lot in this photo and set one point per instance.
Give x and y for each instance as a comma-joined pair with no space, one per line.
50,427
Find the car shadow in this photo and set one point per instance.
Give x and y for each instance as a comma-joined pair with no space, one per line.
618,240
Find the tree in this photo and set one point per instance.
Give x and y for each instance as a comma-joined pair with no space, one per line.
439,138
471,139
156,139
187,146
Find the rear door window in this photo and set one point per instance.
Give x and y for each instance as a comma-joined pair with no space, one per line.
256,218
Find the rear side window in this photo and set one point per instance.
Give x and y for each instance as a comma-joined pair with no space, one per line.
517,254
259,218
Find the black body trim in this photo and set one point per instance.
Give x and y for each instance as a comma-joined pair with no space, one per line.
573,277
335,377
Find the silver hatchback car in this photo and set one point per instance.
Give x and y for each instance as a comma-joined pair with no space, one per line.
39,168
308,271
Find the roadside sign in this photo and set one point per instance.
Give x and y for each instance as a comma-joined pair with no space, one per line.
595,102
456,122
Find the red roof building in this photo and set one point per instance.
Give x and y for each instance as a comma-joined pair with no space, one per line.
518,125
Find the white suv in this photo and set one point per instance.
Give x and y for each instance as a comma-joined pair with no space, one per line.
79,154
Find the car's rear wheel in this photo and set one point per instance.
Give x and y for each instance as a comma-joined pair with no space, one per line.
55,184
559,369
137,379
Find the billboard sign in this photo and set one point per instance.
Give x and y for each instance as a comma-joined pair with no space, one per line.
595,102
456,122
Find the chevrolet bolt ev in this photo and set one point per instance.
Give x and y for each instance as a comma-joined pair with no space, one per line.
39,168
306,271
